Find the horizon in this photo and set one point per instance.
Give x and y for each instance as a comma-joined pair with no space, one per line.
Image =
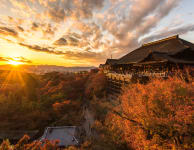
20,65
86,33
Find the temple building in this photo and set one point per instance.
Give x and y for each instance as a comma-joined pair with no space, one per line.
158,58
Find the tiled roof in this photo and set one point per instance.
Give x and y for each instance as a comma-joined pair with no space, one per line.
111,61
168,46
65,135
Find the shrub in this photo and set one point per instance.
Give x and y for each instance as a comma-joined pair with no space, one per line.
24,144
96,86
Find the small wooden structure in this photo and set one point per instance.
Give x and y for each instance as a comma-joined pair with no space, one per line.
66,135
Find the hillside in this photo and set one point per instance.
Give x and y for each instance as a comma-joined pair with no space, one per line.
155,115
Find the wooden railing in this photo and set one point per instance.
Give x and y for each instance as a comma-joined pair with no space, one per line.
127,77
116,80
117,76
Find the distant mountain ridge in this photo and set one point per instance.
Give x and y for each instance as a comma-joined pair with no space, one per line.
41,69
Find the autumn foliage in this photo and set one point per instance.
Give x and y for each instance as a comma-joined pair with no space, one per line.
96,86
158,115
31,101
24,144
155,115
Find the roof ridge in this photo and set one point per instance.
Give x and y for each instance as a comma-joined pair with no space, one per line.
162,40
111,59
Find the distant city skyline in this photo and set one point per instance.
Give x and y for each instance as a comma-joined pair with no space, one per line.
86,32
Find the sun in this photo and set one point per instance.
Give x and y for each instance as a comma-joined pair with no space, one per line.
14,63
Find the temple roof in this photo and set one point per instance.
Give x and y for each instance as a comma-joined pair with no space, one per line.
111,61
165,49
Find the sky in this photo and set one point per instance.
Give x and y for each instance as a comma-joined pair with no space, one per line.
87,32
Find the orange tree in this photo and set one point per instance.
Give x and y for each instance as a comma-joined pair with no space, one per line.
157,115
96,86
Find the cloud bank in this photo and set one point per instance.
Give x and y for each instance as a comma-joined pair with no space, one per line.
16,59
89,30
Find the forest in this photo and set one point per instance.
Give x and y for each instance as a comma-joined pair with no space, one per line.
30,101
155,115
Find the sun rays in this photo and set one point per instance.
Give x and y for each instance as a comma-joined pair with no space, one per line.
12,77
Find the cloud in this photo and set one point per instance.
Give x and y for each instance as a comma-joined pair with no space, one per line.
138,11
38,48
3,4
91,57
87,29
18,4
2,59
48,29
70,39
90,37
152,21
11,35
24,60
20,29
58,10
8,31
84,55
164,33
70,54
60,42
20,59
17,59
144,16
35,26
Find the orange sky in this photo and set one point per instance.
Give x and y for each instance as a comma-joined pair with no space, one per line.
86,33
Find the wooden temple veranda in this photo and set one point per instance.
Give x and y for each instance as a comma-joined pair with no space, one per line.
160,58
